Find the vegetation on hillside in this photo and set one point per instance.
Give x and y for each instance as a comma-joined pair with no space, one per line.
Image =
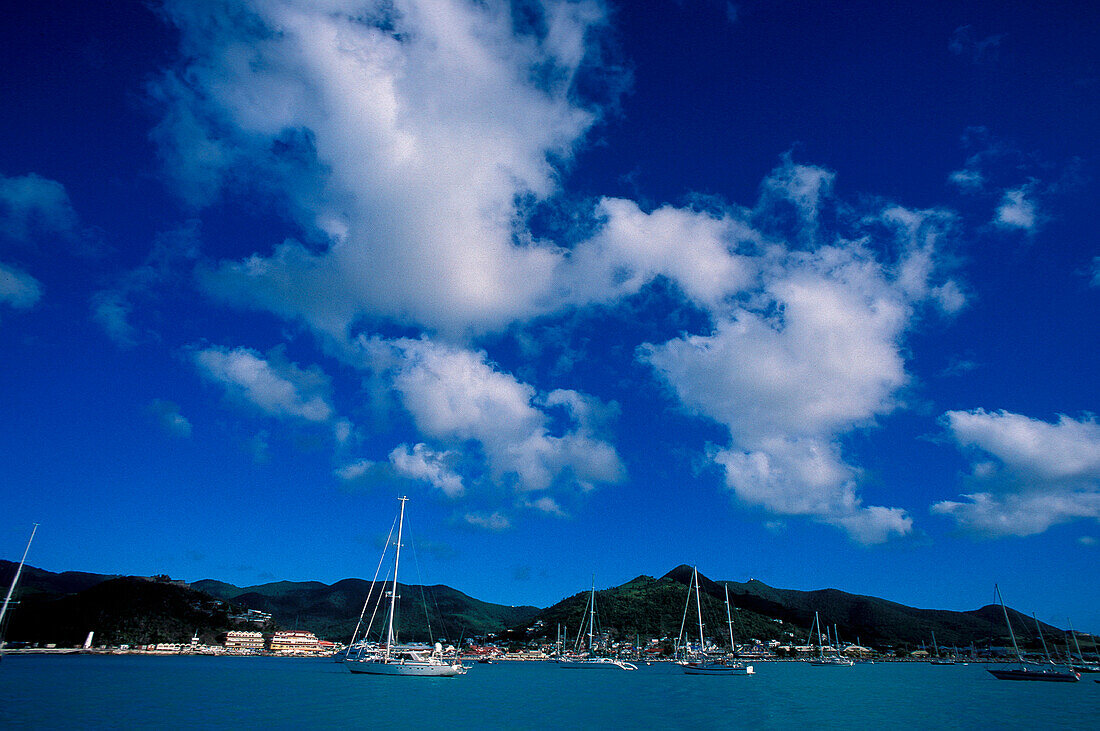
63,608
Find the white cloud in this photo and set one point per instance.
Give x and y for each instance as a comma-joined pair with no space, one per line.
968,179
697,251
1027,474
1095,271
804,186
547,504
31,204
342,430
274,385
18,289
169,417
355,470
489,521
815,351
411,140
409,133
424,463
111,310
456,396
1017,210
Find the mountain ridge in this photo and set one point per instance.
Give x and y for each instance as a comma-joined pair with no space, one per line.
643,605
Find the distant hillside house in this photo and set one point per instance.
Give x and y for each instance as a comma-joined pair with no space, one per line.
295,642
237,640
251,615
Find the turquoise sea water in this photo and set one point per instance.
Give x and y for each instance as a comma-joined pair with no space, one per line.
77,691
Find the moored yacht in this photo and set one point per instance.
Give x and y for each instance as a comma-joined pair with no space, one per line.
391,660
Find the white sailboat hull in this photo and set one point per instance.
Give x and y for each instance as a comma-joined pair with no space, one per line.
398,667
602,663
716,669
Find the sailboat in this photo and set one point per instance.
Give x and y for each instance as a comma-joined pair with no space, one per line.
831,660
587,661
1081,665
705,666
11,589
937,660
392,660
1026,670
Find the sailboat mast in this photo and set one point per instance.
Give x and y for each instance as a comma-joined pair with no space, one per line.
1077,644
1039,627
729,618
14,581
1010,632
698,609
396,563
820,647
592,613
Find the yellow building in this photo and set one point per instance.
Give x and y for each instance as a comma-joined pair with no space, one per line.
295,642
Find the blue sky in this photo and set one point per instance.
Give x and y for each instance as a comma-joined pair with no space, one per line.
804,292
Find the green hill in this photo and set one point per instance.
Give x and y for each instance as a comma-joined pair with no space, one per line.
63,607
124,610
652,607
881,622
655,608
332,611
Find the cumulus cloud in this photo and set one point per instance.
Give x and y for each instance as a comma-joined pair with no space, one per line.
1020,186
421,462
31,205
355,470
1026,474
273,384
547,504
814,352
411,141
495,522
697,251
1017,210
168,415
18,289
410,136
967,179
456,397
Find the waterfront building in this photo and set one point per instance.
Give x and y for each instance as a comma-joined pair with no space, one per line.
238,640
295,642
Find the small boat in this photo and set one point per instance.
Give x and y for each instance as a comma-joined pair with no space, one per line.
843,662
393,660
1030,670
707,666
